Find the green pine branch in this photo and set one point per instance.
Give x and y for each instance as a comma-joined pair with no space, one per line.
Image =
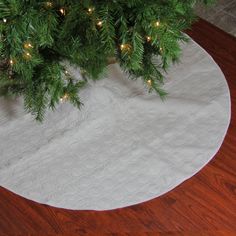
37,36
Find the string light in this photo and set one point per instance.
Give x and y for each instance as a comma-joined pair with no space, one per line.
4,20
99,23
27,56
64,98
161,49
28,45
157,23
63,11
148,38
122,46
125,47
11,62
149,82
90,10
66,72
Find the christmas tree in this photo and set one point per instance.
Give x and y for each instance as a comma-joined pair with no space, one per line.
38,37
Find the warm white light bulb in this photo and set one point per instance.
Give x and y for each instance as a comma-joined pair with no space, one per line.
90,10
158,23
99,23
28,45
148,38
63,11
27,56
4,20
125,47
149,82
64,98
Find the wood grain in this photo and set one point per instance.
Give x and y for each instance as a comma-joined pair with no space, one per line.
202,205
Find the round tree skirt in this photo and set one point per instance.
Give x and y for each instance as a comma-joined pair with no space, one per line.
125,146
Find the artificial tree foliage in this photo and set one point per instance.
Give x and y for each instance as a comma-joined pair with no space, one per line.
37,37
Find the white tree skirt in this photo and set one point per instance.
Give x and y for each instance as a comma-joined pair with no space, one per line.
125,146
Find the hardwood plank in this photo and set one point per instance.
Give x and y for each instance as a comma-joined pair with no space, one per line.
202,205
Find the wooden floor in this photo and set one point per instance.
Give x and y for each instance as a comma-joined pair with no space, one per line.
203,205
